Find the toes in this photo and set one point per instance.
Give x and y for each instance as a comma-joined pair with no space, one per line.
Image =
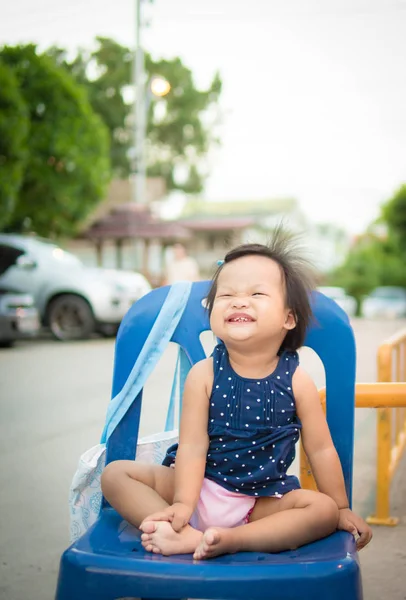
148,526
201,551
211,537
152,548
201,554
146,537
208,547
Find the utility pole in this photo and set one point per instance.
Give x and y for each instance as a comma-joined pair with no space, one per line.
139,112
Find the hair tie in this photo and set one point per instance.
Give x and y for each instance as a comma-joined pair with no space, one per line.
220,262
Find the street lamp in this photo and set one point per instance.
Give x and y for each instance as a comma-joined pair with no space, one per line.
144,92
139,111
159,86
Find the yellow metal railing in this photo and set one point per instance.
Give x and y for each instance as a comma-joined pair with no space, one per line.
306,476
389,398
391,426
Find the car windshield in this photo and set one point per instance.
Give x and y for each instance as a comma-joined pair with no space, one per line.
389,293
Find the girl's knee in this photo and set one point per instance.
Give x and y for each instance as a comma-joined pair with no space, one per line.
327,511
110,474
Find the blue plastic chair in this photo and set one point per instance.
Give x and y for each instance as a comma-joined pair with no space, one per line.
108,562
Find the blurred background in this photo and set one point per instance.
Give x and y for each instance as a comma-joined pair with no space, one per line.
245,117
139,141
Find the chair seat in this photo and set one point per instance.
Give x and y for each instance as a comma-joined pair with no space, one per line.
115,563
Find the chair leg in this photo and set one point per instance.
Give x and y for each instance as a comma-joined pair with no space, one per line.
66,594
85,594
82,594
73,584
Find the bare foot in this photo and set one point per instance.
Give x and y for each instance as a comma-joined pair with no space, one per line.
215,542
160,538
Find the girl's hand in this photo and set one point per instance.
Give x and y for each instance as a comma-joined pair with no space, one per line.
349,521
178,515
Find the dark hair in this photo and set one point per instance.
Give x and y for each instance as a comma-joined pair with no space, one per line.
298,275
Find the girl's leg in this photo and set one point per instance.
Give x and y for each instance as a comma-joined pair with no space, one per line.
275,524
137,490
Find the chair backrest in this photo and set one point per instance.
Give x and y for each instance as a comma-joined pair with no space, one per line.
330,336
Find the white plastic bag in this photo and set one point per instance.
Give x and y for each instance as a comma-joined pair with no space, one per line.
85,496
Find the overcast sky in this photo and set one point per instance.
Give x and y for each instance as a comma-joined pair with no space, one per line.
314,90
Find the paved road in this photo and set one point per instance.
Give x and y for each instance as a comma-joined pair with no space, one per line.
53,399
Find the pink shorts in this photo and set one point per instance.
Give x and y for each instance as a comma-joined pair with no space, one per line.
218,507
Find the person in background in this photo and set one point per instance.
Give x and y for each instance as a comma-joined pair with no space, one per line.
182,267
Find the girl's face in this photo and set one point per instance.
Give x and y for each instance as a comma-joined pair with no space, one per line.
250,302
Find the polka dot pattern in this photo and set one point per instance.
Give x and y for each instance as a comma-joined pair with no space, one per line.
247,414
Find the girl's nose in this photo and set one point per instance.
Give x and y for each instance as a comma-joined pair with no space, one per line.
240,302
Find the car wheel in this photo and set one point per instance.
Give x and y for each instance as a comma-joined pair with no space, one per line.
6,343
70,318
108,330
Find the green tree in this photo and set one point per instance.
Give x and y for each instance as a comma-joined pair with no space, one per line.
14,126
394,215
67,168
377,260
358,275
179,134
372,262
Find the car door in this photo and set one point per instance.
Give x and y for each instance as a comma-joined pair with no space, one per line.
8,258
19,270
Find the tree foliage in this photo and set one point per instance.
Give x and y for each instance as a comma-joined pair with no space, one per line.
358,275
378,258
67,167
373,261
394,215
180,126
14,124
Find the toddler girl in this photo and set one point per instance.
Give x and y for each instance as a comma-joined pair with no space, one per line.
243,411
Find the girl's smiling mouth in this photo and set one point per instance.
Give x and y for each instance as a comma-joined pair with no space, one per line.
240,317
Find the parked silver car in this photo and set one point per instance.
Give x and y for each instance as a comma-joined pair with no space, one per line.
339,295
73,300
18,317
386,301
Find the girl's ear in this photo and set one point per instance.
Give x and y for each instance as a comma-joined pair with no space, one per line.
290,322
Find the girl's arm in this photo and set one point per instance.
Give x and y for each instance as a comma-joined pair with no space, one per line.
191,455
323,457
317,441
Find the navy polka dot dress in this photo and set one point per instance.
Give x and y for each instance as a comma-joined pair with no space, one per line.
253,428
